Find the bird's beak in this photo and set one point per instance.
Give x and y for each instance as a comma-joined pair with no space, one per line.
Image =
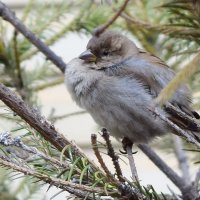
88,56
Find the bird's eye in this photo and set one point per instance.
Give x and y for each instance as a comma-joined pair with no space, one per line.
105,53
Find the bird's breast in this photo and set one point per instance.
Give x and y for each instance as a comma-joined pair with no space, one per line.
81,82
119,103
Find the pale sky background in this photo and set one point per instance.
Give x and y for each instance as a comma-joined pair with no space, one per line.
79,128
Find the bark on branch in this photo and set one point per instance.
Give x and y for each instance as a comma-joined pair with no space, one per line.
9,16
39,123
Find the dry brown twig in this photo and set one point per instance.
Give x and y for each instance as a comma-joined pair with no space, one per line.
127,191
100,159
112,154
132,164
99,30
188,135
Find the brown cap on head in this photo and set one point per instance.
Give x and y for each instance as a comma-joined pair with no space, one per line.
108,42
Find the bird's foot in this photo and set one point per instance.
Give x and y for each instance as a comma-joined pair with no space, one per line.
126,142
127,146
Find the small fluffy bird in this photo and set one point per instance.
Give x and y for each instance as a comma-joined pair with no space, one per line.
116,82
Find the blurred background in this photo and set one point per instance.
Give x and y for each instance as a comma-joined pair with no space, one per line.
66,27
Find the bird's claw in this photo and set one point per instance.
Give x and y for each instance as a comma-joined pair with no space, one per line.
125,152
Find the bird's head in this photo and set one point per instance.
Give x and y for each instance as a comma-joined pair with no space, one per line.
107,49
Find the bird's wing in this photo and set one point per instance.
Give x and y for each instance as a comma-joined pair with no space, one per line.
154,72
154,75
181,98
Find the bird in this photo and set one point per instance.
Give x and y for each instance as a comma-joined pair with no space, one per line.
117,82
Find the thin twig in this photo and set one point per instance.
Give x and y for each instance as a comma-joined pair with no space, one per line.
127,190
51,180
182,159
127,146
189,136
48,83
102,28
9,16
132,163
55,118
79,193
190,121
20,83
111,153
174,31
175,196
100,159
196,180
6,140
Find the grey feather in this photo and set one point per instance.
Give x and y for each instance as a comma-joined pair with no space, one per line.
118,87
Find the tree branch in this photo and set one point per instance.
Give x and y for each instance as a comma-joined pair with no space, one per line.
188,191
161,165
9,16
39,123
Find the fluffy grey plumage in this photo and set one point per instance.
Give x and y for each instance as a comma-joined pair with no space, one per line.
116,83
